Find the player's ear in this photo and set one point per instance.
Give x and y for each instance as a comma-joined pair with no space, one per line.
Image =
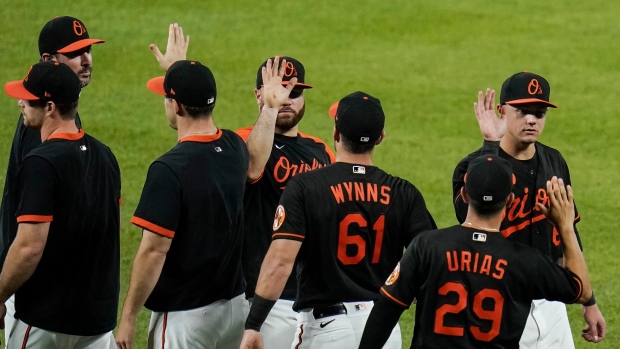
336,135
50,108
46,57
257,95
177,108
464,195
380,137
499,109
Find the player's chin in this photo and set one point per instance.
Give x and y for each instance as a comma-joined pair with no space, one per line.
84,80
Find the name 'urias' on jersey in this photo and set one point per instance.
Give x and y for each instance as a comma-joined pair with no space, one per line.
369,216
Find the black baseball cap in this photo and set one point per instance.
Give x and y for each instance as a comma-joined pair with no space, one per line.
64,34
359,117
294,69
46,80
489,179
525,87
188,82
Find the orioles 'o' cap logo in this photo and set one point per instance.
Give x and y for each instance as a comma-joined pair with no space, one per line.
394,276
279,218
78,28
534,87
290,70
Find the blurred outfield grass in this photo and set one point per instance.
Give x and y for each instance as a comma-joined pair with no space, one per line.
424,60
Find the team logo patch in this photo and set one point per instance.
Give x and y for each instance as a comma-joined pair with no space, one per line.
394,276
279,218
359,169
479,237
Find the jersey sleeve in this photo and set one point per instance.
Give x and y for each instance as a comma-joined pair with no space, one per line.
160,203
289,222
37,182
553,282
400,287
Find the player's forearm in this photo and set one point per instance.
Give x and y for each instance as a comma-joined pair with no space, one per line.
272,279
145,272
574,260
260,141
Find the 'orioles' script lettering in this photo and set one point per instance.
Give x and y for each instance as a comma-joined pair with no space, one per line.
284,169
475,263
360,191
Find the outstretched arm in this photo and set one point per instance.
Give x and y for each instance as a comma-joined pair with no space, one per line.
176,50
274,95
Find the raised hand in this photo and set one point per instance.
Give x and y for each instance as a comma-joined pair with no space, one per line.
176,50
492,127
274,94
561,211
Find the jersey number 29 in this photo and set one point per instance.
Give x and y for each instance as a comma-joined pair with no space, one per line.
344,239
494,315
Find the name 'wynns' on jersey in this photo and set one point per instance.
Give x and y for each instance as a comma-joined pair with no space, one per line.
369,217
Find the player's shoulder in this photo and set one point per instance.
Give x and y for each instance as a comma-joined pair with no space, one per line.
547,151
310,138
244,132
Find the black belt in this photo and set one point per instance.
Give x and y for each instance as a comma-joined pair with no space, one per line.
330,310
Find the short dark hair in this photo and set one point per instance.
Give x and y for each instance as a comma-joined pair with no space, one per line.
198,112
487,210
356,147
67,111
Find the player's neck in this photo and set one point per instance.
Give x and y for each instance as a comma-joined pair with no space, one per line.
203,127
292,132
490,224
518,150
58,126
359,159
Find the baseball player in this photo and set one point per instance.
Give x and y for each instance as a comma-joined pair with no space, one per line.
524,102
278,152
65,40
67,245
474,287
188,267
347,225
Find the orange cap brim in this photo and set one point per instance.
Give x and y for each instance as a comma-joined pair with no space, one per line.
78,45
299,84
17,90
332,110
531,100
156,85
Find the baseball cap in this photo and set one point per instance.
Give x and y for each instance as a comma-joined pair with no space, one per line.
294,69
188,82
489,179
64,34
525,87
359,117
46,80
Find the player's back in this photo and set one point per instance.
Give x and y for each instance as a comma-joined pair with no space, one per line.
475,288
358,220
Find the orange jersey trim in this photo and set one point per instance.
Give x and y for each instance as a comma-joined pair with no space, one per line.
288,235
67,136
30,218
580,288
385,293
244,132
202,138
144,224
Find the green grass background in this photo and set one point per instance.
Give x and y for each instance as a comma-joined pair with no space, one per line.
425,60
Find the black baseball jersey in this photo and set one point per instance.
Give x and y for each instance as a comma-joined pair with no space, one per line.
474,288
194,195
354,222
73,181
289,157
24,140
523,221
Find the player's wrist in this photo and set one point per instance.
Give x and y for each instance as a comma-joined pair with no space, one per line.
258,313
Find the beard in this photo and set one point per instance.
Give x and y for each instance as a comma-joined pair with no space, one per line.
85,82
285,123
